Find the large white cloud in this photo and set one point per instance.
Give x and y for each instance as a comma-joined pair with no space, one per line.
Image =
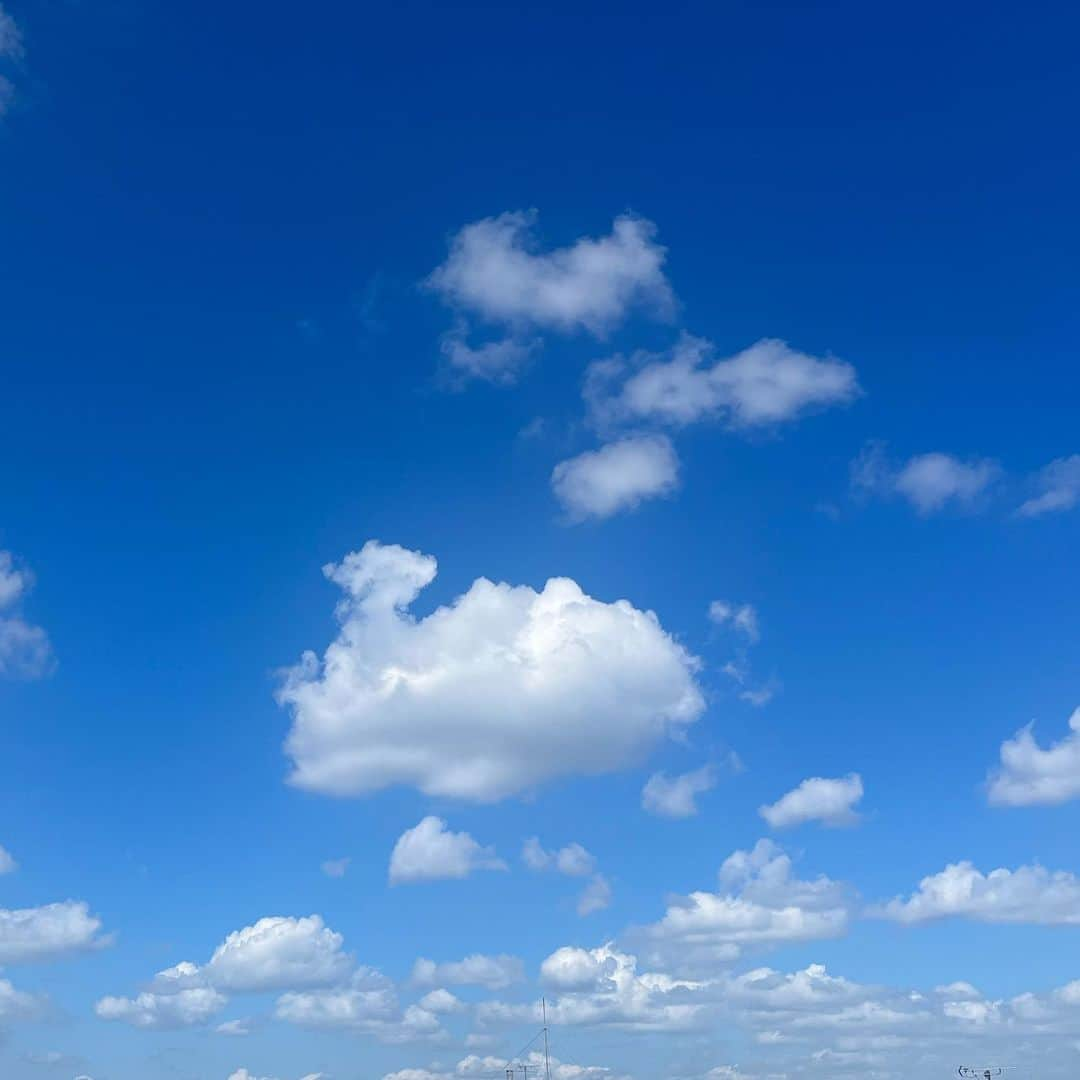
766,384
47,932
430,851
492,972
830,801
760,903
25,651
492,695
495,272
1057,486
930,482
1030,775
618,476
1028,894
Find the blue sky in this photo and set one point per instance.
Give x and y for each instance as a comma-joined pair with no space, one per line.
502,503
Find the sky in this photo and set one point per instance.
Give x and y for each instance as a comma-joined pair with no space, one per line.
507,505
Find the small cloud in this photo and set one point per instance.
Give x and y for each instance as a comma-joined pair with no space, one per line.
595,897
431,852
336,868
831,802
743,617
1057,486
676,796
617,477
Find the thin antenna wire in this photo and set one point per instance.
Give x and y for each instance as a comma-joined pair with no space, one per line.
547,1056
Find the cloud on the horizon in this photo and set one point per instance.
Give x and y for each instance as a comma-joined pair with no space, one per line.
491,695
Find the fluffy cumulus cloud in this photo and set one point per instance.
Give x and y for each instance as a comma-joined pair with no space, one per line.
930,482
491,972
279,952
1029,894
676,796
25,651
492,695
48,932
766,384
1057,488
430,852
495,271
832,802
185,1008
366,1005
274,953
1029,775
759,903
618,476
604,987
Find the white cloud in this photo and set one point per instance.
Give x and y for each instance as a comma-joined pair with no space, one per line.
1030,775
617,477
1058,486
430,852
367,1005
25,651
930,482
492,972
11,48
494,272
676,796
17,1004
766,384
603,987
534,1063
500,361
185,1008
235,1028
336,868
743,617
572,860
492,695
8,865
441,1001
279,952
832,802
596,896
274,953
759,904
44,933
1029,894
